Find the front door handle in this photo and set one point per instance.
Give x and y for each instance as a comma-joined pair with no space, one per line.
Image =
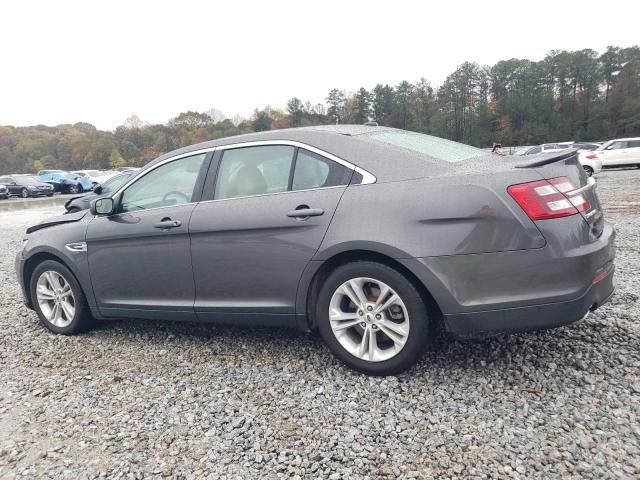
167,224
305,212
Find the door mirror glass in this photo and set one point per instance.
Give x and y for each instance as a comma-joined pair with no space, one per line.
102,206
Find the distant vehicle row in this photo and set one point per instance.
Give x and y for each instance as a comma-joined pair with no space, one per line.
620,152
48,182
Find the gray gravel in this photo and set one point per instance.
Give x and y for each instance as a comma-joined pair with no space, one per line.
143,399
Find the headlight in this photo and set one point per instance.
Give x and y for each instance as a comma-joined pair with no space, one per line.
32,187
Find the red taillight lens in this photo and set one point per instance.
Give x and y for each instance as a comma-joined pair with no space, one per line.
545,199
592,156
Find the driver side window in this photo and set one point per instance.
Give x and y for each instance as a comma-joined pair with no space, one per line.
168,185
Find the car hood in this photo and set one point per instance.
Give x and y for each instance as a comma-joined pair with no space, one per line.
59,220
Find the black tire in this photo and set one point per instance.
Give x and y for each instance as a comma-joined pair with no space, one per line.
72,189
82,319
49,194
588,170
24,193
421,324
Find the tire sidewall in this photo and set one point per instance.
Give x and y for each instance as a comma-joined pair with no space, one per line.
80,318
420,321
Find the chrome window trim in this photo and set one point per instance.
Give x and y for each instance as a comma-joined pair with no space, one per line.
264,143
272,193
367,177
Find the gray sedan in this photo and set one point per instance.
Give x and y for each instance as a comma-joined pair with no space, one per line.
371,236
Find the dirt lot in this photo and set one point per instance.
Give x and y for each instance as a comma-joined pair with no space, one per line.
144,399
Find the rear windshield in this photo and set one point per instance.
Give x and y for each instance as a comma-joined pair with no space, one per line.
435,147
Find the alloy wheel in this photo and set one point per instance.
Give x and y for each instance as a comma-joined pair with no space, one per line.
369,319
55,298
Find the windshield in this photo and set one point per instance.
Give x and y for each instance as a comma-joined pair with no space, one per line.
115,183
435,147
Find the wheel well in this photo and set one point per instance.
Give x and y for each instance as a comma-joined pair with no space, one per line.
31,264
358,255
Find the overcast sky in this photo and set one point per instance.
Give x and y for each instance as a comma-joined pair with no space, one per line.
101,61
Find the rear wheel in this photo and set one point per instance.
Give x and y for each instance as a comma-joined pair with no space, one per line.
73,189
372,318
24,193
58,299
588,170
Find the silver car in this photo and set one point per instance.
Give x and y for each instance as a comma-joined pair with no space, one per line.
371,236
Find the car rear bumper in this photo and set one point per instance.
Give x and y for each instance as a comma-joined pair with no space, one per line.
535,317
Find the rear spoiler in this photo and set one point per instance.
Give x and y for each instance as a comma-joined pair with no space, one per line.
572,152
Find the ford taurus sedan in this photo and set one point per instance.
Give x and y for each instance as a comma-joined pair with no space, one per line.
372,236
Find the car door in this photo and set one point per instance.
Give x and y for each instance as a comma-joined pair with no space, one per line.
269,209
615,154
139,257
633,152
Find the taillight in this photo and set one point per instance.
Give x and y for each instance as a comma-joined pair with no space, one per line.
545,199
591,156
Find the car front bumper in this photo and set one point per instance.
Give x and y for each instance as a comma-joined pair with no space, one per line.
19,266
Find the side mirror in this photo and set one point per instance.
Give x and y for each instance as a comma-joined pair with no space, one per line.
97,189
101,206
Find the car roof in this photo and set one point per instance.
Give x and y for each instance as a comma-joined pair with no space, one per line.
348,142
623,139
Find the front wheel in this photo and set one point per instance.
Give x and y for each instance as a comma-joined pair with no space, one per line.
58,299
24,193
372,318
73,189
588,170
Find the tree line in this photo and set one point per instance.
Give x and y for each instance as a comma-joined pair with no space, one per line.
568,95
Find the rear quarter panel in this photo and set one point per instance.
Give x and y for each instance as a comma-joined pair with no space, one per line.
463,214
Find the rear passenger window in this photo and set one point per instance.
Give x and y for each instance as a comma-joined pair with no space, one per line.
248,171
315,171
633,143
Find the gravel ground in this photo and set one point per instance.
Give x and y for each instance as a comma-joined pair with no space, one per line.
143,399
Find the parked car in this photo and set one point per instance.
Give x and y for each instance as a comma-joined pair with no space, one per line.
126,169
95,176
621,152
81,202
546,148
370,235
64,182
590,162
26,186
4,192
587,145
45,172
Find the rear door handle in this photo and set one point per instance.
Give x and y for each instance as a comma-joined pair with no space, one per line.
305,212
167,224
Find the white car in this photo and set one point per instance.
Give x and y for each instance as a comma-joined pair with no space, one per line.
546,148
590,161
96,176
621,152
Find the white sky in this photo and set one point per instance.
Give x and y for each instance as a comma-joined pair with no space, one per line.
101,61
